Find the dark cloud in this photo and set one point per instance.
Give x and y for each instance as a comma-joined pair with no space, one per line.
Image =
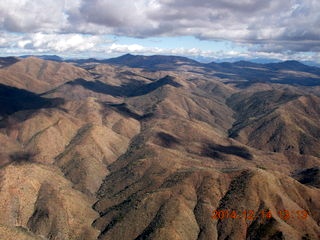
250,21
230,5
107,13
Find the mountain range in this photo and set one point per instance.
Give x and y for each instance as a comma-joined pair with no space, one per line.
158,147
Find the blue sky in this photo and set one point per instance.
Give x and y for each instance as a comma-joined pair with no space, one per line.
189,42
178,45
211,29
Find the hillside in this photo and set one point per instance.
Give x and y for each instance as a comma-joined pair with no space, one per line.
158,147
39,75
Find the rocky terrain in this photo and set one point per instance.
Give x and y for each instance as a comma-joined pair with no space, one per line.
158,147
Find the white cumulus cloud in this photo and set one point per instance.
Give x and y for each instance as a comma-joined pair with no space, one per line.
265,26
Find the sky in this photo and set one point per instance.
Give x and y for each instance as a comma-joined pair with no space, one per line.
208,29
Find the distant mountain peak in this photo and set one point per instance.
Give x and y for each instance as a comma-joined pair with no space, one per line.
156,62
45,57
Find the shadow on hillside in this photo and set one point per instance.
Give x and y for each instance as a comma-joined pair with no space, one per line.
133,89
167,140
13,100
124,110
310,176
100,87
216,151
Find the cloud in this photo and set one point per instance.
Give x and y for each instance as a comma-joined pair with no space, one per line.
29,16
124,17
273,26
59,43
131,48
82,46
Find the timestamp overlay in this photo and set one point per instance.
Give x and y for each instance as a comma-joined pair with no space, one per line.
251,215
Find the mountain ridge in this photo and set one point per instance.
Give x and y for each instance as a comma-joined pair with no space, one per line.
199,60
168,142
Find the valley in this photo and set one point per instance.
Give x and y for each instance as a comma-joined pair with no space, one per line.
148,147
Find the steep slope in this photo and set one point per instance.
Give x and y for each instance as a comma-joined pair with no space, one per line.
39,75
175,201
83,136
292,207
309,176
12,233
182,167
278,121
159,151
39,198
54,163
13,100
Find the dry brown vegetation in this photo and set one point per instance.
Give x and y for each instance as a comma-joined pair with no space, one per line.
150,152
